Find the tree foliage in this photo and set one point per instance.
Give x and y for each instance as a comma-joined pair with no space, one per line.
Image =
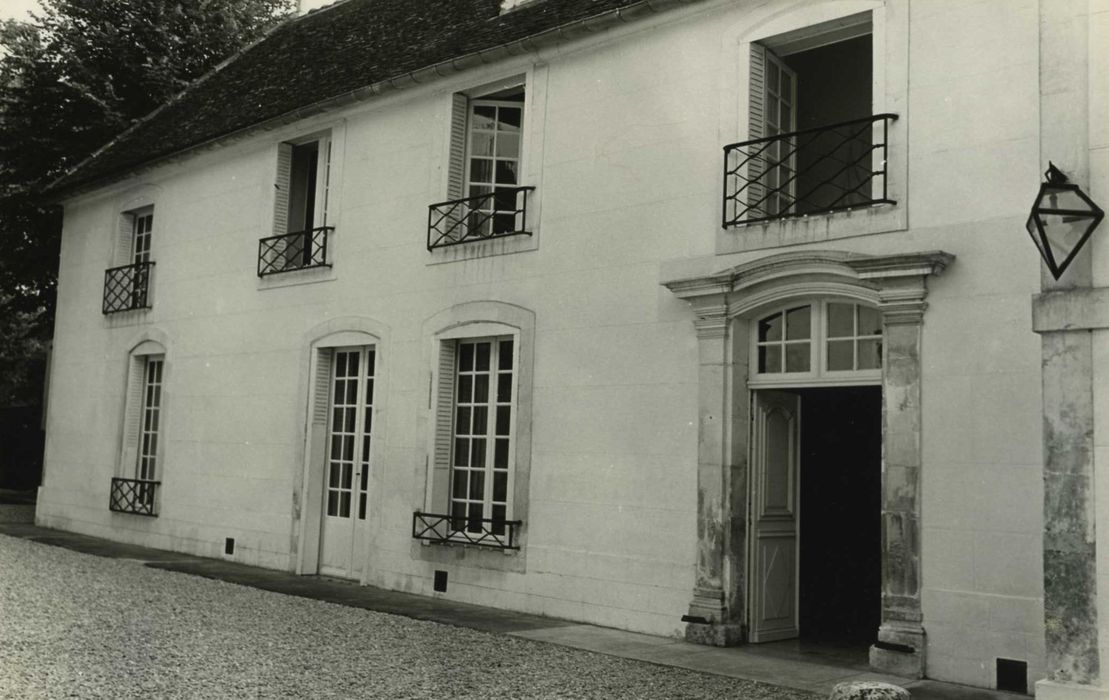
77,74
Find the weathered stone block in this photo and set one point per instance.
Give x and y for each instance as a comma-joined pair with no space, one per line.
714,634
868,690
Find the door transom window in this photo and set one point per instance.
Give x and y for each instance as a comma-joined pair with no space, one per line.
817,341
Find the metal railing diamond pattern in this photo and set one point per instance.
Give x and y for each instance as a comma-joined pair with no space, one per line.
812,171
496,214
294,251
127,288
134,496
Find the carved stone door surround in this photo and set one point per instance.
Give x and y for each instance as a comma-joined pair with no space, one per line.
722,303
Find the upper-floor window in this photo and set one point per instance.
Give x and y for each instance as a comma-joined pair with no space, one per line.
814,143
300,230
127,286
486,196
142,228
825,340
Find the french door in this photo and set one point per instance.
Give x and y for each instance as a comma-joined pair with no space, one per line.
780,110
348,463
775,458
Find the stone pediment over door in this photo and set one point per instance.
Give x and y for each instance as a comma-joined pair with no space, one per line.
894,282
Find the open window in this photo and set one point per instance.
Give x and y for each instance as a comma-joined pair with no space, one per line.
815,144
300,230
127,286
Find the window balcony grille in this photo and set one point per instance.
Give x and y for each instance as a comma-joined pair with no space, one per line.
481,532
496,214
812,171
294,251
134,496
127,288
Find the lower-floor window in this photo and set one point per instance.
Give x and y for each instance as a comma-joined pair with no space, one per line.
147,466
482,449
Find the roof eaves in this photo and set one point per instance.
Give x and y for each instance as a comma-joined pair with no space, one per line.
50,188
552,36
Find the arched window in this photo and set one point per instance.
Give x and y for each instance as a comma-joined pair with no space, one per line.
831,341
139,472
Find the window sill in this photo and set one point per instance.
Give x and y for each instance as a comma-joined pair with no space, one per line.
295,278
469,545
485,248
131,317
816,228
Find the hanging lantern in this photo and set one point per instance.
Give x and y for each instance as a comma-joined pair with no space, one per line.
1062,218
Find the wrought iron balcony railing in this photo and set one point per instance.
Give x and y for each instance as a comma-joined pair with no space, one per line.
481,532
294,251
127,287
134,496
813,171
502,212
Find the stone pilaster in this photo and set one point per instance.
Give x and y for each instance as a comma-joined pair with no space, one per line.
1066,315
901,287
710,619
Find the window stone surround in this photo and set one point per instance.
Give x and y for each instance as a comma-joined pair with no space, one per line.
478,319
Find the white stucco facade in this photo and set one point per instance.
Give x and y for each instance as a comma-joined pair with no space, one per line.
622,142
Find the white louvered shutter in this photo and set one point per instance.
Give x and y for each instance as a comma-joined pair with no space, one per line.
756,123
444,428
132,415
124,253
321,388
456,182
282,187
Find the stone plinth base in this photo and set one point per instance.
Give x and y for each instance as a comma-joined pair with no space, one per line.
899,651
1050,690
714,634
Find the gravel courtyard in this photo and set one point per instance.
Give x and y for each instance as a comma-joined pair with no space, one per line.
79,626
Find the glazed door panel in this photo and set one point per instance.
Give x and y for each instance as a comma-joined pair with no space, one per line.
775,443
348,462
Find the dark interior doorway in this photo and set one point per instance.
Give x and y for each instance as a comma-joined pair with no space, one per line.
840,559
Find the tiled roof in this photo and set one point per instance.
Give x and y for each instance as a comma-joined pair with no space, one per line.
324,55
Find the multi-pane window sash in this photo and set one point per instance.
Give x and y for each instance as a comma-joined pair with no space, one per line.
350,431
854,334
814,338
812,171
141,230
151,419
482,457
493,165
294,251
784,341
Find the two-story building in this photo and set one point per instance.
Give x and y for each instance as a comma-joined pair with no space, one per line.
689,317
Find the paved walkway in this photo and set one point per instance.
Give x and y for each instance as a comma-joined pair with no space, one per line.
784,664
